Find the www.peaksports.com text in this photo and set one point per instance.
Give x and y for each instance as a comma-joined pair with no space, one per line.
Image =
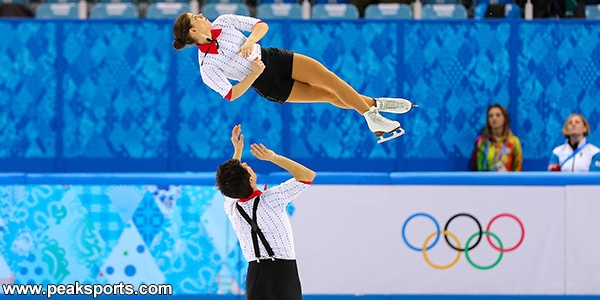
94,290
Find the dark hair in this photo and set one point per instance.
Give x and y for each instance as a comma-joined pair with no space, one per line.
233,180
488,128
181,31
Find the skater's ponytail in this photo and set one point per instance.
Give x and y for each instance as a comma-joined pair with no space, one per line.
181,31
233,180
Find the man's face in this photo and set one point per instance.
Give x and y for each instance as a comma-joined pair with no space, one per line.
251,172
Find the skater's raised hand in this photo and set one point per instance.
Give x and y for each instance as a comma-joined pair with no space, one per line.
246,49
300,172
237,139
261,152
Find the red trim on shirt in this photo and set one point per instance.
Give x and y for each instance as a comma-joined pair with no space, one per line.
252,196
228,96
211,48
306,182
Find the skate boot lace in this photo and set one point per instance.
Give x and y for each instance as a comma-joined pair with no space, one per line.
379,119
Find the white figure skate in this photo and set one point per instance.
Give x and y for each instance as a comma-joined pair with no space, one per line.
385,129
394,105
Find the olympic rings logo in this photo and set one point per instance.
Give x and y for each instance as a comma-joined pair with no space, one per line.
469,245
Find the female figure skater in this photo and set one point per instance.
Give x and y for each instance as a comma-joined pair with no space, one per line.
278,75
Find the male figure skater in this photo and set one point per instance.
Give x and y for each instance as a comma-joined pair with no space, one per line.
261,222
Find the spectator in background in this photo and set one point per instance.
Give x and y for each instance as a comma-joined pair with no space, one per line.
15,10
497,149
541,8
361,5
576,155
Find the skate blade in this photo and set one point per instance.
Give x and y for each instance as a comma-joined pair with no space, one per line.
410,107
392,135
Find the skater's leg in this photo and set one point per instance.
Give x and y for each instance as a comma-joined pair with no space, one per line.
305,93
369,100
315,83
312,72
328,87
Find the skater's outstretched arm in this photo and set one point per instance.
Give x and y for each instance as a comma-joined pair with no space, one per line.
300,172
237,139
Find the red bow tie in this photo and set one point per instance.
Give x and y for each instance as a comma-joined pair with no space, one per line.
252,196
213,46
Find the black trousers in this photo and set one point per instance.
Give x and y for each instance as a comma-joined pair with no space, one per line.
273,280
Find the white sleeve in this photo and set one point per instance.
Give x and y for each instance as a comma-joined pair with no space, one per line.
285,192
215,79
242,23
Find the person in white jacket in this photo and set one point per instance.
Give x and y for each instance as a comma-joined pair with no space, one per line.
576,155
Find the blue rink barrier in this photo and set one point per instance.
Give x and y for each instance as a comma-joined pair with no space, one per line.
109,97
344,178
56,202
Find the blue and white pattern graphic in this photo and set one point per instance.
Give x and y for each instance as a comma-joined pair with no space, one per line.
115,96
119,233
558,74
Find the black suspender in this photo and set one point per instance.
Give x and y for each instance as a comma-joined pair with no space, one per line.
256,230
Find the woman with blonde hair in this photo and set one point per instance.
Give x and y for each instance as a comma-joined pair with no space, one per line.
497,149
576,154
